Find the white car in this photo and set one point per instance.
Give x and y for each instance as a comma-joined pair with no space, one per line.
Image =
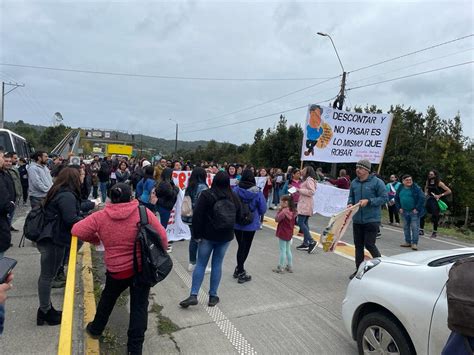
397,305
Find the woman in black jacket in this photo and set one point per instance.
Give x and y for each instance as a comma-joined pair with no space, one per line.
167,194
63,206
214,218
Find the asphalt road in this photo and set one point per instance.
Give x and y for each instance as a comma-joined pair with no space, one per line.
296,313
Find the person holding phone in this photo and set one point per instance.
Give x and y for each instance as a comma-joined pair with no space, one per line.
4,287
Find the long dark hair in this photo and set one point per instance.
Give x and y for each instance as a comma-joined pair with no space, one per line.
68,177
198,176
247,178
167,176
148,173
436,178
221,183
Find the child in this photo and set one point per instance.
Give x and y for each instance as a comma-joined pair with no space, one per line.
286,222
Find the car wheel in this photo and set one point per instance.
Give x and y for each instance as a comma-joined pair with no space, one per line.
378,333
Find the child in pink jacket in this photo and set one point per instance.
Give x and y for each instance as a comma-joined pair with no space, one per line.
286,223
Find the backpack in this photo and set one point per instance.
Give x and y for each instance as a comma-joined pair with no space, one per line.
37,225
224,212
246,214
187,207
156,264
460,295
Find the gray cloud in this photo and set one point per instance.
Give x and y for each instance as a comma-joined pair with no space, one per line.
228,39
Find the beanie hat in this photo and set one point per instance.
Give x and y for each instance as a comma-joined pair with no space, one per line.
364,164
146,163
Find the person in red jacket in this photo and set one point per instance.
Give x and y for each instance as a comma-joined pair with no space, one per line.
343,182
116,227
286,223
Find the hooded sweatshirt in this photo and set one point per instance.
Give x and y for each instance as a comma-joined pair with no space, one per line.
116,227
251,195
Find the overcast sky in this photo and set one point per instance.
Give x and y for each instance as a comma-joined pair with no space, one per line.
228,39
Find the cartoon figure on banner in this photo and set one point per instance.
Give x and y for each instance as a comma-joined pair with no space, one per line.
318,132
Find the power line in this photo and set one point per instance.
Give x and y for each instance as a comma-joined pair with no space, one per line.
268,101
411,53
255,118
410,76
97,72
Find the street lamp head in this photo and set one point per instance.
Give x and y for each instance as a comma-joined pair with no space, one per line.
323,34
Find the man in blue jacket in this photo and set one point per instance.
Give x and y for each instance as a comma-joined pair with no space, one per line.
410,202
369,191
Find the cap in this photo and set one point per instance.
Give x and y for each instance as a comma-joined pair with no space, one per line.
146,163
364,164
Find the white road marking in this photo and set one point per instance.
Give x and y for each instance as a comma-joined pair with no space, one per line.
236,338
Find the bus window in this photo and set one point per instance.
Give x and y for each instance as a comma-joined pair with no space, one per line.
5,142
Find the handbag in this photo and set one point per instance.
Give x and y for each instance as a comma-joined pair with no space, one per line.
443,207
187,207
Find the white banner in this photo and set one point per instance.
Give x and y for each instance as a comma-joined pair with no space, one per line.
336,228
176,229
336,136
181,178
329,200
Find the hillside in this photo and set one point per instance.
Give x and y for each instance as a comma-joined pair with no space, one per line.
33,133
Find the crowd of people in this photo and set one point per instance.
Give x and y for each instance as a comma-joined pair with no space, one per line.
98,202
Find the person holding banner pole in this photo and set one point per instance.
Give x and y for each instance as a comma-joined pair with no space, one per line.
305,208
369,192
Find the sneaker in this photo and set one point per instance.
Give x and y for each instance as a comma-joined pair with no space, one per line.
302,247
421,232
190,301
90,332
312,247
13,229
351,276
271,208
279,270
405,245
379,235
208,270
414,247
390,224
170,249
397,224
244,277
213,300
236,273
58,283
434,235
289,269
191,267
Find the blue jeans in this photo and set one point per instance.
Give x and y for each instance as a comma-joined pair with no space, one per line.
304,226
164,216
206,247
103,191
411,227
276,196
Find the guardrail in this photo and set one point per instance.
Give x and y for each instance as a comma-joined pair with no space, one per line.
67,320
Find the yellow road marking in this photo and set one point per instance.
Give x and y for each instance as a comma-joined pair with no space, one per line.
342,248
91,345
65,335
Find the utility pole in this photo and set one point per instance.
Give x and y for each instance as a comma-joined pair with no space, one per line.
2,111
339,101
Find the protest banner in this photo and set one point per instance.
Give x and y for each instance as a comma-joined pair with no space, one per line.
177,229
329,200
337,136
181,178
336,228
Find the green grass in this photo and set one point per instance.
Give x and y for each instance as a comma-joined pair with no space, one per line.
164,324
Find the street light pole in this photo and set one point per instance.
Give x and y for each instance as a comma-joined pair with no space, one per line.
339,101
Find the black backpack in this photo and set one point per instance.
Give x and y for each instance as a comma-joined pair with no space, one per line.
460,294
246,214
156,263
223,212
38,225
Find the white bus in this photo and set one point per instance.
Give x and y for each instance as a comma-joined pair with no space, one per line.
12,142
